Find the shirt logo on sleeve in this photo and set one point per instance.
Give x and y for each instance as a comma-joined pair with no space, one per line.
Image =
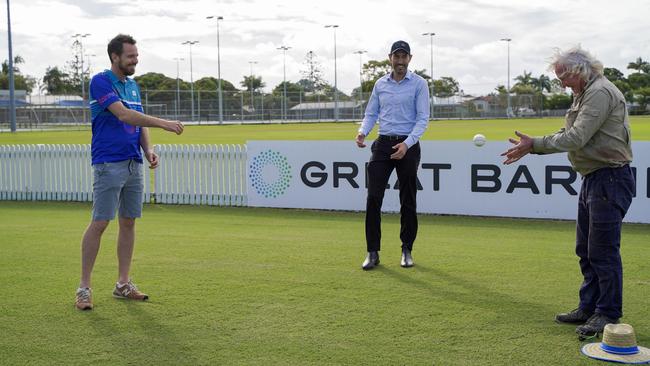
104,98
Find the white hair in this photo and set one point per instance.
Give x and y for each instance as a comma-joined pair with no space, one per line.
576,61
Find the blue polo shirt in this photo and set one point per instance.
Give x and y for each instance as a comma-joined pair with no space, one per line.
113,140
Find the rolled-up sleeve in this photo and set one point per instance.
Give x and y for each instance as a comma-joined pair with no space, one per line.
590,118
421,114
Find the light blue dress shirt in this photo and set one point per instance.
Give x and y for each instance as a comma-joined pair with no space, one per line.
401,108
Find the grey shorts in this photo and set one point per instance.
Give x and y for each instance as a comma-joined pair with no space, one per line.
117,185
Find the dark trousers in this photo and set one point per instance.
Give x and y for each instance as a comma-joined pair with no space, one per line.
379,169
605,196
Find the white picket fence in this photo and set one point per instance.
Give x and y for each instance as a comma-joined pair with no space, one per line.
201,175
188,174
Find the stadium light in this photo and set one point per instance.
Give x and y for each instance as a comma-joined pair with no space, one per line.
88,57
336,89
190,43
79,38
12,87
252,85
178,84
360,52
509,110
433,101
219,90
284,79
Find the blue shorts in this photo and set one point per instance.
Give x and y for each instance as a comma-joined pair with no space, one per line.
117,185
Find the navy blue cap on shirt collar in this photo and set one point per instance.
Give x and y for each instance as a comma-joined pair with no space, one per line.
400,46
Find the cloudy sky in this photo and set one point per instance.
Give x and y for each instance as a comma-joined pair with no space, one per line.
466,44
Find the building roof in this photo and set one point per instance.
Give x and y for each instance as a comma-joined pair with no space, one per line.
324,105
68,100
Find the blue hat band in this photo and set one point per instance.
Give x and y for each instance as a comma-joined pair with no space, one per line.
619,350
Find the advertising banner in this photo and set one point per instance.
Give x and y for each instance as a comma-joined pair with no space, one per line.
455,177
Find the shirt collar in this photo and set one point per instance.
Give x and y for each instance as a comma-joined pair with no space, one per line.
114,78
408,76
590,82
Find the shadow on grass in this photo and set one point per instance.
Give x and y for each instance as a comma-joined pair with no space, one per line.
480,297
150,342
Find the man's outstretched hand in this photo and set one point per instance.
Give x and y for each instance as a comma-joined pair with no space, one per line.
522,147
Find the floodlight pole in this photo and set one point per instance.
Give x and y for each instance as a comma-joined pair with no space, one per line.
433,101
80,38
219,90
252,85
178,84
284,80
190,43
336,90
509,110
12,86
360,52
89,63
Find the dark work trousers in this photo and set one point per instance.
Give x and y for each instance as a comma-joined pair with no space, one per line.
379,169
605,196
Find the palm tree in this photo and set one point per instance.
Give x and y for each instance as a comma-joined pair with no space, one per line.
525,79
639,65
254,82
17,60
544,83
56,81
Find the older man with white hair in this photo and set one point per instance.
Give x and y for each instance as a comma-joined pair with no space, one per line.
599,145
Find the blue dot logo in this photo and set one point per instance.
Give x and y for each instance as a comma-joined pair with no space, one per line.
270,174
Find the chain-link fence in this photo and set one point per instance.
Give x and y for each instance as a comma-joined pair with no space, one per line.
203,107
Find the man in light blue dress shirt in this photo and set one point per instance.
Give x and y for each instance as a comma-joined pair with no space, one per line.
400,105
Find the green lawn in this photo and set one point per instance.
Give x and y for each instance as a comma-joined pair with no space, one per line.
241,286
239,134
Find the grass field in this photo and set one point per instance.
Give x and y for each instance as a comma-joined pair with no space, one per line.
243,286
237,286
239,134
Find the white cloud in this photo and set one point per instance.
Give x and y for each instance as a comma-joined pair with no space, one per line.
466,45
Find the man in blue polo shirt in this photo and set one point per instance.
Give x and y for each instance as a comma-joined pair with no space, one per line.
400,104
119,132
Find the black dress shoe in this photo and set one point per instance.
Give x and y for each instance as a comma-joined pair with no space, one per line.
575,316
372,260
407,259
594,326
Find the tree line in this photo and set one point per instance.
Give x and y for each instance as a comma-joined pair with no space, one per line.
536,92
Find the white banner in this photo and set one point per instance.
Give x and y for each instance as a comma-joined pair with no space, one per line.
456,177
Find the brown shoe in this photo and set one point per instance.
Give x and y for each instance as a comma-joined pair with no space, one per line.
128,291
84,299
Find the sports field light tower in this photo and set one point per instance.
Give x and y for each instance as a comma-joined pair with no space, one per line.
433,100
178,83
89,57
360,52
219,90
336,89
509,110
190,43
284,80
12,96
252,86
79,38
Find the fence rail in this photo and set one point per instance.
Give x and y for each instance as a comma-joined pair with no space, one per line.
189,174
203,106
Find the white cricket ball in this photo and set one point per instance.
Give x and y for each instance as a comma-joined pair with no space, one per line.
479,140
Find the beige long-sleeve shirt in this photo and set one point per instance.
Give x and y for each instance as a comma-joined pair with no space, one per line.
597,130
